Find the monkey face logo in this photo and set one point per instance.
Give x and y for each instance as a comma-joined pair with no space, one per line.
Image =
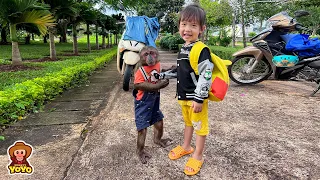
19,153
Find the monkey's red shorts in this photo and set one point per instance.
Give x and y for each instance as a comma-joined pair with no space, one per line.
147,110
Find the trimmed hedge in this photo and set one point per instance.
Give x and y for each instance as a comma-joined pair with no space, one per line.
30,95
224,52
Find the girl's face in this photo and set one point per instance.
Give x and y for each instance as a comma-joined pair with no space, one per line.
189,31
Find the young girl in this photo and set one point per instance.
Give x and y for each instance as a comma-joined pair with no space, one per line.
192,89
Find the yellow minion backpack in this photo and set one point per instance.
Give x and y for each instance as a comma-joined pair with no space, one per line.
220,76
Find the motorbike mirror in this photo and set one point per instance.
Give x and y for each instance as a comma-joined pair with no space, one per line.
301,13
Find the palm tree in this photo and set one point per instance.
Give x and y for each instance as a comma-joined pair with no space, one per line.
89,16
16,12
59,9
84,13
103,21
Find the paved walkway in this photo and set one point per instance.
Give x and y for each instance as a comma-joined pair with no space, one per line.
266,131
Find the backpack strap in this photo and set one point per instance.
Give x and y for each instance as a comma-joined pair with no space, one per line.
195,54
144,73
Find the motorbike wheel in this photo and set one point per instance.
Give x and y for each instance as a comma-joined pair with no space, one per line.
127,77
240,65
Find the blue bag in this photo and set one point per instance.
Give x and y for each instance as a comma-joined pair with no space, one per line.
303,45
142,29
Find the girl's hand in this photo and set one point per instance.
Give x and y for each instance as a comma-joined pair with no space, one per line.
197,107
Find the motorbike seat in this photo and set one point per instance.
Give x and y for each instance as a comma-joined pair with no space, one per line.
315,64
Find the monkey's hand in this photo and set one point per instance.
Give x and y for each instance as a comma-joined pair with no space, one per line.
146,86
163,83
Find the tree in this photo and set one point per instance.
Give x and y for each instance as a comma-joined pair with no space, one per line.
124,5
16,12
29,29
313,7
59,9
242,12
107,23
82,10
63,10
308,3
117,28
89,16
219,14
169,9
264,10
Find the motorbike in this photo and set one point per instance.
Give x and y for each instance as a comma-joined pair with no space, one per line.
255,63
140,31
127,58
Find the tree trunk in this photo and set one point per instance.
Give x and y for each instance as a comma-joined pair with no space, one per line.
233,30
32,37
243,25
45,39
108,40
16,57
207,35
88,38
53,54
260,28
75,41
3,36
64,33
27,39
103,41
97,38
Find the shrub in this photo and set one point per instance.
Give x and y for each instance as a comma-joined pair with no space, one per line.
213,40
224,52
252,34
171,42
164,42
225,41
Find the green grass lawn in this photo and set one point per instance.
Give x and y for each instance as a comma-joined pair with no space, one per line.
10,78
38,50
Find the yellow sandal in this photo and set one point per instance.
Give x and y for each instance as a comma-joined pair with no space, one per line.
179,152
193,164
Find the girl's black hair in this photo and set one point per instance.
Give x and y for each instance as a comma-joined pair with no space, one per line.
193,13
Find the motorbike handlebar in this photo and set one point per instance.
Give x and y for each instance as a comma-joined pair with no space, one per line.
170,74
300,27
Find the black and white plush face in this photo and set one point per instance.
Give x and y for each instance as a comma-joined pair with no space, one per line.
149,56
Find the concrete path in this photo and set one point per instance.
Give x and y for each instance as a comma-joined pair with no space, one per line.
267,131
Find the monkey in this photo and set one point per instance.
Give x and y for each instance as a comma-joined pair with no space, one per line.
147,100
